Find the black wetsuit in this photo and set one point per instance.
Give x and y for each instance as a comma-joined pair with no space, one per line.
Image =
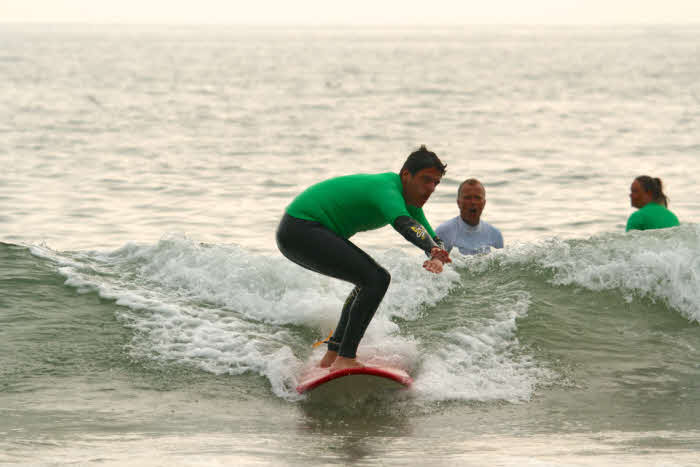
315,246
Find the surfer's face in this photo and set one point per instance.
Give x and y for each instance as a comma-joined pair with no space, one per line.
418,188
471,202
638,197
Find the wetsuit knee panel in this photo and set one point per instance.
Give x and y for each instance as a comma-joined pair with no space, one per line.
382,277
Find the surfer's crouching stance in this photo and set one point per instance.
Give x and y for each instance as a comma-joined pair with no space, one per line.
316,226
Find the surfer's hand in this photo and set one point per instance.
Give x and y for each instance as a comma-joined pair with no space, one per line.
440,254
433,265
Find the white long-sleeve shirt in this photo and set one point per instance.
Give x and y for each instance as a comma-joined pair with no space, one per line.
470,240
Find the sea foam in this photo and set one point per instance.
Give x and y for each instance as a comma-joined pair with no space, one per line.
659,265
225,310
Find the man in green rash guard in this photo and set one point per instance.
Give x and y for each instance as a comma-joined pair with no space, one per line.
646,194
316,226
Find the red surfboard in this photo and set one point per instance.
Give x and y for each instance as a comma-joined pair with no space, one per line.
318,376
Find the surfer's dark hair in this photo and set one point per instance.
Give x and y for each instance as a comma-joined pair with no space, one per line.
423,159
655,187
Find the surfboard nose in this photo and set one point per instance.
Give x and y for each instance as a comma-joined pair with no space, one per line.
359,376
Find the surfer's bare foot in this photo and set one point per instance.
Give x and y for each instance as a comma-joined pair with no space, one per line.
328,359
342,363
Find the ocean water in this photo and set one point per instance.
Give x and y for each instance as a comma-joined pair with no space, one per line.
148,319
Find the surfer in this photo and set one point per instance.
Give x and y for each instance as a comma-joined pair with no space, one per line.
467,231
316,226
647,195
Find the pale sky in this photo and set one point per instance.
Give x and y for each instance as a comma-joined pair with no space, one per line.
354,12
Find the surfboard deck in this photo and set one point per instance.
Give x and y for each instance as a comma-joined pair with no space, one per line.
318,376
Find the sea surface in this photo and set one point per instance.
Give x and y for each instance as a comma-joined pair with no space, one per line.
147,318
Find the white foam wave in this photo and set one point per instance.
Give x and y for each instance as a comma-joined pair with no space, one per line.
483,360
659,265
228,311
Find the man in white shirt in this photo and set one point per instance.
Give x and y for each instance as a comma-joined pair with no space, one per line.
467,231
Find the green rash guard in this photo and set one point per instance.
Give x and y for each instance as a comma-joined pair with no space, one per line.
652,216
356,203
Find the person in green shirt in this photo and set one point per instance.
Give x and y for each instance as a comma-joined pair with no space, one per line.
316,226
647,195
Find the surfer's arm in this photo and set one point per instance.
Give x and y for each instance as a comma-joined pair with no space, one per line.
439,243
442,254
433,265
415,233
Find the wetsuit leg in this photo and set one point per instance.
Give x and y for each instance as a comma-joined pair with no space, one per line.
319,249
337,337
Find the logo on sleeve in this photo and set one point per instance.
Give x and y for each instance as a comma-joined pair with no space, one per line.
420,231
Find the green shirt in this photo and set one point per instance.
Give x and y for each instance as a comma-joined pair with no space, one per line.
356,203
652,216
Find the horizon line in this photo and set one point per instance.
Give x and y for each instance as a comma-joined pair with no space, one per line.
121,22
